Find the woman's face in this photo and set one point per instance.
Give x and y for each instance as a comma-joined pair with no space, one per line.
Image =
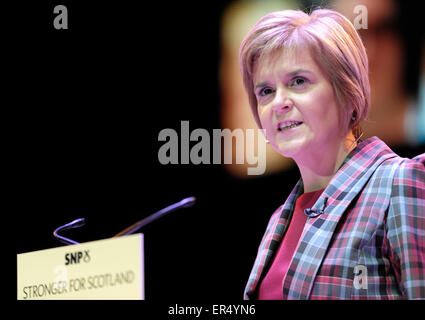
296,104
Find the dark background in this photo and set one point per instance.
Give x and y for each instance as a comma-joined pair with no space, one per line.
87,106
90,104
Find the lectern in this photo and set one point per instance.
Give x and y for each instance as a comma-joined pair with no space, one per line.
96,270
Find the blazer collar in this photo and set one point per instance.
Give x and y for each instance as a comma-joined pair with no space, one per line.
347,182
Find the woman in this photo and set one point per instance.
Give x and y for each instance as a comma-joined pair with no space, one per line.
354,225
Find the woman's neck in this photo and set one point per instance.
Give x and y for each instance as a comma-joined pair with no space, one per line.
319,166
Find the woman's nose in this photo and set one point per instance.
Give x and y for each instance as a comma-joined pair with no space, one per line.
282,105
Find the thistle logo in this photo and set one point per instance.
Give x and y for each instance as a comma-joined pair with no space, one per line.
76,257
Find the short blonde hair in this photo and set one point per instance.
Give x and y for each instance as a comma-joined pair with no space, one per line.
333,43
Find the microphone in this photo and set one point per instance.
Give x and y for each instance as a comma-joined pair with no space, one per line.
185,203
73,224
313,213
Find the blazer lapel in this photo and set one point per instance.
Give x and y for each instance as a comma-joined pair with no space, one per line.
270,243
341,191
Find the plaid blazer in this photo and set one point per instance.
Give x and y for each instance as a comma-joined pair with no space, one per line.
369,243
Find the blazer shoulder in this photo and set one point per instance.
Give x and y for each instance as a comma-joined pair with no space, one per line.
406,166
403,165
396,172
408,173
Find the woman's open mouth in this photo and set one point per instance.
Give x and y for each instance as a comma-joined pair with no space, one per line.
289,124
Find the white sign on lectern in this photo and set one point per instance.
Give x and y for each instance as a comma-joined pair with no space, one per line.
110,269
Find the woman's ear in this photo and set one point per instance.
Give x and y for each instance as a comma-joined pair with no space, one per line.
353,115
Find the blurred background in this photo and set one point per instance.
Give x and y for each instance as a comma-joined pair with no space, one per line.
89,103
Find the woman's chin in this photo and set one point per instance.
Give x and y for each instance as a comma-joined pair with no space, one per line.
289,149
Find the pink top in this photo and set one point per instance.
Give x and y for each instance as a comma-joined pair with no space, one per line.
271,288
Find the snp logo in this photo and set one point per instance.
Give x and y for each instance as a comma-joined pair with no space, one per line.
77,257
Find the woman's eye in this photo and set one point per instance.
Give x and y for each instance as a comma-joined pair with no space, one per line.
265,91
297,82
